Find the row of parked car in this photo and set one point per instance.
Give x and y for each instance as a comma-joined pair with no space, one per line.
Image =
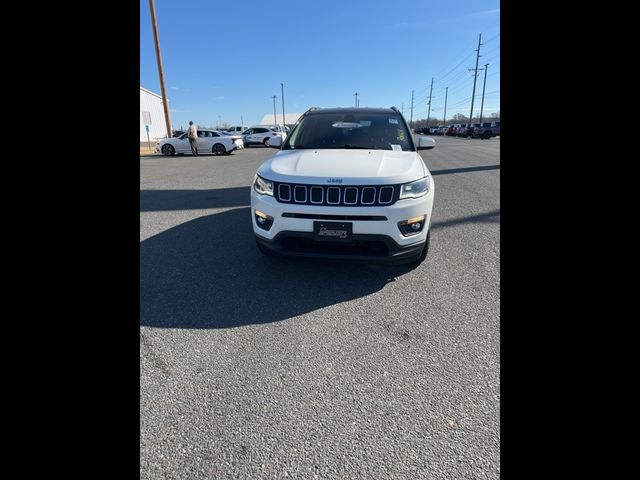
221,142
472,130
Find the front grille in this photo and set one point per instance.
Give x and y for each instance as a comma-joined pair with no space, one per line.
336,196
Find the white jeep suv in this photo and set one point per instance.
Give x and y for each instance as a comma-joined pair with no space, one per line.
347,183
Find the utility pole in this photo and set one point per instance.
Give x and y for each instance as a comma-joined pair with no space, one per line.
429,109
486,67
446,91
411,121
282,90
165,100
241,122
356,94
475,77
275,120
402,109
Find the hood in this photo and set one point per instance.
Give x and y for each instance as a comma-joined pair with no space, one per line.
354,167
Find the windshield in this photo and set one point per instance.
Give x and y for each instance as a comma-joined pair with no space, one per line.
366,130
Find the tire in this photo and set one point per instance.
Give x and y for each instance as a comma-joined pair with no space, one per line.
218,149
168,150
264,142
486,135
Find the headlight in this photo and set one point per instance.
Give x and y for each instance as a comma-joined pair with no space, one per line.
262,186
415,189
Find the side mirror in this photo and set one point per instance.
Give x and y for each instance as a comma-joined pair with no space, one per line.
275,142
426,143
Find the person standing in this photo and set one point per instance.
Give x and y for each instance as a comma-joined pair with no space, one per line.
192,132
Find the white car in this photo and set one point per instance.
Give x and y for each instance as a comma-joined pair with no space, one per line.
259,134
348,183
212,141
237,129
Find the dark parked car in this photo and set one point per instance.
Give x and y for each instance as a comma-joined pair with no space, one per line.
487,130
482,130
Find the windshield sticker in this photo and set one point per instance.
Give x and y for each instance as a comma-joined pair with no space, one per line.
394,121
396,147
346,125
400,135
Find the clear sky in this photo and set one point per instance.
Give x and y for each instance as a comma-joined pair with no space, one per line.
224,60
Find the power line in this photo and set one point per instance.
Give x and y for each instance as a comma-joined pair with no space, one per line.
492,50
492,38
465,100
457,80
453,69
453,81
438,74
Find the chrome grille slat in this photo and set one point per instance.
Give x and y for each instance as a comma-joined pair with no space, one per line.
288,188
380,195
339,195
362,196
348,189
295,193
311,190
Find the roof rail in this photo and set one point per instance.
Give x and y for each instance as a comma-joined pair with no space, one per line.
309,110
394,109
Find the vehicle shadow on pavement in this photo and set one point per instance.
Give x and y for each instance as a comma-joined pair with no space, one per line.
167,200
487,217
479,168
207,273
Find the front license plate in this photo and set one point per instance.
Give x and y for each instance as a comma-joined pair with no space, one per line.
332,232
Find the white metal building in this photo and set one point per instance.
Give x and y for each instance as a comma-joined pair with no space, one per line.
152,114
290,119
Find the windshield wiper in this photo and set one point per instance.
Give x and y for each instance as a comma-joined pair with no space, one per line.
359,147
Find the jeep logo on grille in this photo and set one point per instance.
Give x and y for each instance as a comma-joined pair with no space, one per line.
334,180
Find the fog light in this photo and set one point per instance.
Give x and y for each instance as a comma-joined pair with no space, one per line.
263,220
412,226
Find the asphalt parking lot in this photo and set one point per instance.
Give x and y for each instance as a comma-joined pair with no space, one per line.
253,367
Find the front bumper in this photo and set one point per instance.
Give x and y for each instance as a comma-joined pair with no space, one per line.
364,248
373,240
